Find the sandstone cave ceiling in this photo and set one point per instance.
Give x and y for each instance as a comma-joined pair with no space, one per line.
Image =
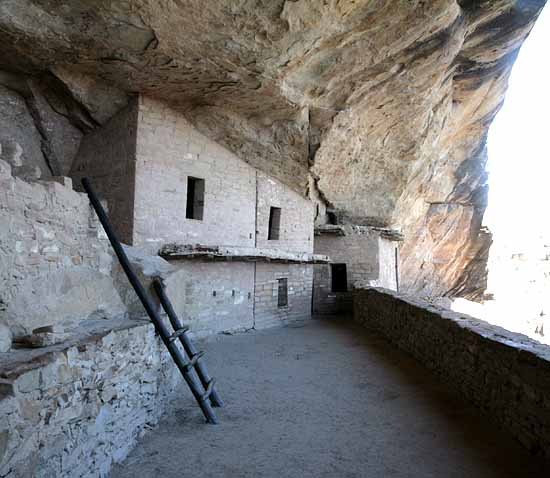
385,104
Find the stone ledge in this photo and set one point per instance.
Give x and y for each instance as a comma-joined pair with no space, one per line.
351,229
23,359
228,253
75,408
505,374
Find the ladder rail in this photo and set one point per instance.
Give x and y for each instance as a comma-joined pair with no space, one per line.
176,354
186,342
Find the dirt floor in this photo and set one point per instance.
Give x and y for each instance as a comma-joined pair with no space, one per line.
326,399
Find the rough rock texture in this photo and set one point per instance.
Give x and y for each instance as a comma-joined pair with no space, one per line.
20,141
44,116
384,104
503,373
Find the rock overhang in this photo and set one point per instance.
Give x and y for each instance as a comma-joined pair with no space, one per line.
385,104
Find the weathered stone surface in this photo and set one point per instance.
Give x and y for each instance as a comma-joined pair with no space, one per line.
5,338
253,254
55,265
102,101
505,374
60,137
385,103
267,311
75,409
107,157
149,265
19,139
63,297
42,124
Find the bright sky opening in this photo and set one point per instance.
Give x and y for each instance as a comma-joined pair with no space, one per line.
519,146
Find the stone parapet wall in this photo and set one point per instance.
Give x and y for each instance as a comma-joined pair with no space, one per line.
74,409
506,375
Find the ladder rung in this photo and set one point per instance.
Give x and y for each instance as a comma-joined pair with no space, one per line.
193,361
177,333
208,391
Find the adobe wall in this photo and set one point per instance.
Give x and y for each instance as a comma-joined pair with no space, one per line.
55,263
506,375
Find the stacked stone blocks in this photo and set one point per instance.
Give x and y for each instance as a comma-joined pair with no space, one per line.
505,374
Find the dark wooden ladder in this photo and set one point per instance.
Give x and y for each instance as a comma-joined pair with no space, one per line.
188,360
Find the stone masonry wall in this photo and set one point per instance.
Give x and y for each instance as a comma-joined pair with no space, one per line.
107,157
55,264
507,375
237,200
213,296
169,150
297,216
75,409
325,301
360,253
216,296
266,311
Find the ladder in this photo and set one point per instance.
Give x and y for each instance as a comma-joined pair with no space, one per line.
188,360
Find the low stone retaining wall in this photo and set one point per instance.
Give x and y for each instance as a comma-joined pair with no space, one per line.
505,374
72,409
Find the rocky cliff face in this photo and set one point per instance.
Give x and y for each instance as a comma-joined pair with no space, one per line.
378,109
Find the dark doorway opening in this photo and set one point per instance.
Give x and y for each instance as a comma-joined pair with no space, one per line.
339,277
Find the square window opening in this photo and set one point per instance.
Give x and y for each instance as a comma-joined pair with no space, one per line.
339,277
195,198
273,233
282,292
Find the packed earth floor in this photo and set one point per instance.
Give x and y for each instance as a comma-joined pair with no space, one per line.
326,398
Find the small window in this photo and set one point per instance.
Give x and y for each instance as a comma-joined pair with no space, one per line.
274,223
195,198
282,293
339,277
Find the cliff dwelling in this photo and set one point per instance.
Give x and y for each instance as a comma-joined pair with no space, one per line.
235,236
